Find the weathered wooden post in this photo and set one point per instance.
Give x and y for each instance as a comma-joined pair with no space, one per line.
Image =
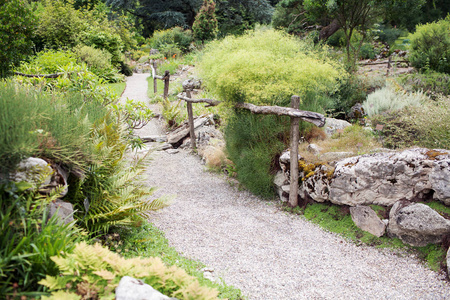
293,189
155,83
188,86
166,79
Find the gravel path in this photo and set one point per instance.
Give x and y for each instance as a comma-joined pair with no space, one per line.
269,254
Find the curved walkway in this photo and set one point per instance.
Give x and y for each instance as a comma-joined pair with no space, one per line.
269,254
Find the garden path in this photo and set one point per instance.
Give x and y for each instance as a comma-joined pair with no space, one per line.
269,254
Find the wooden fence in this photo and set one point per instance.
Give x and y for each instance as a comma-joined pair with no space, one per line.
293,112
165,78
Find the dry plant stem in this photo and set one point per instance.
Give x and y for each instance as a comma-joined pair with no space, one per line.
293,189
191,120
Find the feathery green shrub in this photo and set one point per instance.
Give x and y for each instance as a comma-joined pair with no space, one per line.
265,67
176,36
99,63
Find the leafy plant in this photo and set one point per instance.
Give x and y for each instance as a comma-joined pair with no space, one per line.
430,46
94,271
432,83
28,239
171,112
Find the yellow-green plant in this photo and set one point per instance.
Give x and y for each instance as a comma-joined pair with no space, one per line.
94,272
265,67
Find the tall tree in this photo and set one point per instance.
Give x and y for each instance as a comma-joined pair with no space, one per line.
205,24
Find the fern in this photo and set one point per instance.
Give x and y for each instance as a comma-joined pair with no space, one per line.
114,185
93,268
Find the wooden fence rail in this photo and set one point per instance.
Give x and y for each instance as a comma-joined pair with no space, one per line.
293,112
165,78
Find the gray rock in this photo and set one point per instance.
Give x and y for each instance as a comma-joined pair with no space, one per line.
130,288
280,181
63,211
448,262
172,151
153,51
440,181
314,149
383,178
333,156
164,146
417,224
332,125
154,138
366,218
33,170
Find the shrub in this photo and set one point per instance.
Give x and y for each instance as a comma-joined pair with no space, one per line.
94,270
28,239
265,67
388,99
99,62
182,39
430,46
17,24
49,61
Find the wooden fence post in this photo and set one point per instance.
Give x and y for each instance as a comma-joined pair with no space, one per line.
166,79
155,83
293,189
190,120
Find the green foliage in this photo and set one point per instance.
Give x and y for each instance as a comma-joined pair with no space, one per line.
176,37
149,241
28,239
49,127
172,113
60,25
17,24
205,25
286,13
430,46
265,67
113,186
253,142
94,270
135,114
425,126
389,99
106,40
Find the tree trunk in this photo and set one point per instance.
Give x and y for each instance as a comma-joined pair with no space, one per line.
329,30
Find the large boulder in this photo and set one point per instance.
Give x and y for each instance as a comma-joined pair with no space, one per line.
130,288
366,219
379,178
417,224
385,178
